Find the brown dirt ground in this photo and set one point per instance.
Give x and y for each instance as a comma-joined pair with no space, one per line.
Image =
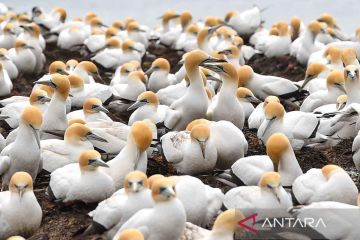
63,222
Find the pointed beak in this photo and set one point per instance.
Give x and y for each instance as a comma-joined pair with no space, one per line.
267,124
341,87
136,105
150,71
47,82
63,72
135,49
276,166
140,30
306,81
253,99
135,187
101,108
91,136
225,51
341,106
2,117
213,78
181,62
21,192
97,77
168,192
276,191
36,134
202,147
98,163
352,75
44,99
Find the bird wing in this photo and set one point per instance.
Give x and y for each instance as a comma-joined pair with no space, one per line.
306,185
278,87
4,164
193,232
172,117
172,143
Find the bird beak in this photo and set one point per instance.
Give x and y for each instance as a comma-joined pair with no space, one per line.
225,51
101,108
21,192
36,134
351,74
150,71
48,82
136,105
135,187
341,87
213,64
202,147
63,72
213,29
267,124
98,163
44,99
140,30
91,136
341,106
276,167
276,191
135,49
168,192
213,78
97,77
3,117
181,62
306,81
253,99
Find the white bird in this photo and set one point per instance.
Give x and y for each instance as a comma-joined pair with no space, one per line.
97,41
330,183
171,93
70,38
265,85
315,78
20,212
224,227
183,110
166,220
113,212
81,181
306,45
57,153
114,56
227,151
147,107
55,115
8,64
24,153
269,198
246,22
226,98
133,156
352,84
49,20
275,46
191,152
122,73
87,71
258,116
348,57
280,158
93,111
22,57
5,82
12,111
299,127
159,75
335,88
337,218
8,36
81,91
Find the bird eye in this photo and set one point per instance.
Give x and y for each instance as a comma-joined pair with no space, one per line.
141,182
269,186
130,183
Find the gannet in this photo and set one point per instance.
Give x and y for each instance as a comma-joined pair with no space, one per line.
330,183
246,22
257,116
166,220
20,212
8,36
280,158
8,64
22,57
265,85
147,107
335,88
81,181
191,152
16,157
122,73
92,111
113,212
298,126
87,71
159,75
227,153
183,110
57,153
226,98
38,98
269,196
133,156
55,115
224,227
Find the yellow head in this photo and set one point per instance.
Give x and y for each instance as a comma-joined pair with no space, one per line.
90,160
163,189
341,102
57,67
245,74
135,181
329,170
348,56
76,81
142,135
276,146
32,116
131,234
21,183
336,79
274,110
38,96
77,132
228,221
